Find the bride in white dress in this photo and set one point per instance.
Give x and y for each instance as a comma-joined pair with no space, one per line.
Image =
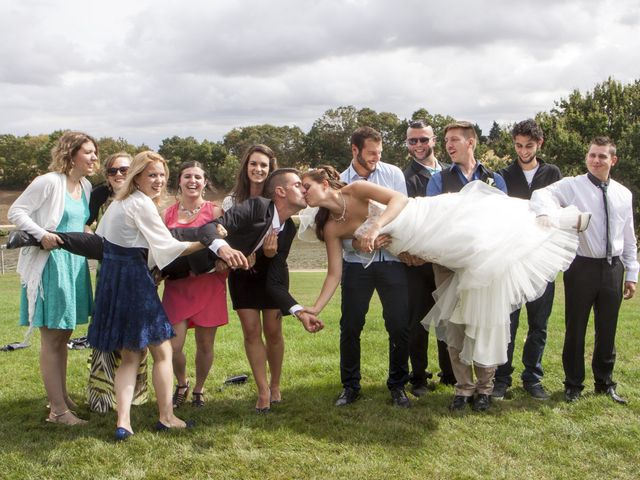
501,254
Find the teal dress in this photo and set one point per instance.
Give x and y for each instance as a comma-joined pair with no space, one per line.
67,299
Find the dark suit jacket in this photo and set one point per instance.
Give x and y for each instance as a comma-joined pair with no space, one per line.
517,185
416,178
246,223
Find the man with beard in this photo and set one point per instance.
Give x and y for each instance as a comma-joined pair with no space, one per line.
420,143
361,275
526,174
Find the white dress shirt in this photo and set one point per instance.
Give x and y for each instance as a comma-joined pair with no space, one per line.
587,197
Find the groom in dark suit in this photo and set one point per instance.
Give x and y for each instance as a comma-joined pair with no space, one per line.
246,224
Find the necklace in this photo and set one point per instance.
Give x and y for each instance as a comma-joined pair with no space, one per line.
190,213
342,217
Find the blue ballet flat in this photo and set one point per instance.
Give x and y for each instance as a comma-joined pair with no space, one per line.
161,427
122,434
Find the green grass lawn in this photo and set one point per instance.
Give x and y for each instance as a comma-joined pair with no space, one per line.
305,436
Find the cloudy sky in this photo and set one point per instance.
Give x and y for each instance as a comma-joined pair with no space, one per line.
145,70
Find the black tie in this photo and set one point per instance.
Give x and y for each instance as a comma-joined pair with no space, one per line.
603,186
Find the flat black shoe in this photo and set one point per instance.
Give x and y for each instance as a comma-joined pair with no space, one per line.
572,394
347,396
460,402
263,411
20,238
399,398
612,394
481,403
161,427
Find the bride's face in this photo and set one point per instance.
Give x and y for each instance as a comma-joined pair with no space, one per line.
315,191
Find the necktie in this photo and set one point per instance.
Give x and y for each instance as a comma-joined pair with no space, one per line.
603,186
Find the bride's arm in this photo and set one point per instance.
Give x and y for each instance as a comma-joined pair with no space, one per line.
395,202
333,244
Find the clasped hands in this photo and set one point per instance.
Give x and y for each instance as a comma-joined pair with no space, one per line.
310,321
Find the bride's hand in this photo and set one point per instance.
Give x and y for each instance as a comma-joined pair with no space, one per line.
368,238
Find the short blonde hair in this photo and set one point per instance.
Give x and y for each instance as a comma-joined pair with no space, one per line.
140,162
468,130
66,148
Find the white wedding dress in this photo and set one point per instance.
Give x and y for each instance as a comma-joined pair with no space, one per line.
500,254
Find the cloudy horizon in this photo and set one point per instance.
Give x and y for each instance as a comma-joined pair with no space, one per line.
149,70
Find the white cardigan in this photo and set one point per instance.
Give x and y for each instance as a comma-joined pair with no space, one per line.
38,210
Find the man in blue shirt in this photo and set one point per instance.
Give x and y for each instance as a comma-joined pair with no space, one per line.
361,275
460,141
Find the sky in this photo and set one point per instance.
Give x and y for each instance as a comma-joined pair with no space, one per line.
145,70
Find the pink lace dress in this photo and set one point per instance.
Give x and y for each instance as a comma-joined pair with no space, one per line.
202,298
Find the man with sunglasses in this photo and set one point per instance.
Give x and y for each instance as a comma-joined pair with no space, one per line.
421,142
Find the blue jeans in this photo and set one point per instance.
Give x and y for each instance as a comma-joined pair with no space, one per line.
389,279
538,313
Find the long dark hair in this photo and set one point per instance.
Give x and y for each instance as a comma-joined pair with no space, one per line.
320,174
242,189
192,164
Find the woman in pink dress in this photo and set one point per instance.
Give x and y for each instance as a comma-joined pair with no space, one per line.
198,302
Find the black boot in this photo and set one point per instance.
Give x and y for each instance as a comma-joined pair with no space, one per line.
20,238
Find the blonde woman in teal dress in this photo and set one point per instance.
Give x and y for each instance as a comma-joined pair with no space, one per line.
56,293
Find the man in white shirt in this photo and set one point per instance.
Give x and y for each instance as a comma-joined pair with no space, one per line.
606,250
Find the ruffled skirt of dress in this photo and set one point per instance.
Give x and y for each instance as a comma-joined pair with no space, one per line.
499,255
128,313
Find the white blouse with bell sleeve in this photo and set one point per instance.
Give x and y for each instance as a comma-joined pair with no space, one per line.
135,222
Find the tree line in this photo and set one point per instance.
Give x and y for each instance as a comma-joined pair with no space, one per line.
611,109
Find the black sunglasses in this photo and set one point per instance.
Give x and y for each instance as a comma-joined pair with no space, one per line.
113,171
414,141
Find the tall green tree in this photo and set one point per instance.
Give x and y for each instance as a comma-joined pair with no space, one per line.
286,142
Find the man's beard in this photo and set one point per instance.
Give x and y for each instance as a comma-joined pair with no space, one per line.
427,154
364,164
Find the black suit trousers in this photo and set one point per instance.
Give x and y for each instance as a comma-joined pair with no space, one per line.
389,279
421,284
591,283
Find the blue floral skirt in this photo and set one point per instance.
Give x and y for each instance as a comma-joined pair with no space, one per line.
128,312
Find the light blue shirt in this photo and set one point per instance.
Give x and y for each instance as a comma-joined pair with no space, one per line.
385,175
434,187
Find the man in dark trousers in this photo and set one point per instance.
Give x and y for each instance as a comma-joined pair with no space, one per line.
420,143
526,174
604,271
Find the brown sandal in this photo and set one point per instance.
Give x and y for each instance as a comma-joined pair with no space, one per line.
197,399
180,398
59,418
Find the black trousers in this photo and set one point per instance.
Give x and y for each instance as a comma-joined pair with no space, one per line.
421,284
90,245
538,312
591,283
389,279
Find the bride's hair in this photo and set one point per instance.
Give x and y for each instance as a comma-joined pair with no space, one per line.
320,174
